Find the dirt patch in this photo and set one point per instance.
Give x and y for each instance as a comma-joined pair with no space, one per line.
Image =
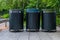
2,27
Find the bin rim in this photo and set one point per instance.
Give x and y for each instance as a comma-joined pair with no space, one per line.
15,10
49,11
32,10
18,10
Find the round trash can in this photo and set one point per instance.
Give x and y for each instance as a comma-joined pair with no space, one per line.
16,20
48,20
32,20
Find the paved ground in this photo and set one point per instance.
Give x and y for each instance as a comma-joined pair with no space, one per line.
6,35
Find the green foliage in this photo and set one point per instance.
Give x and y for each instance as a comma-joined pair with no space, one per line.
57,20
2,4
31,4
48,3
19,4
5,4
12,4
5,16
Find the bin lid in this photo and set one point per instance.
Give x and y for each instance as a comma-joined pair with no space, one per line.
48,11
32,10
15,11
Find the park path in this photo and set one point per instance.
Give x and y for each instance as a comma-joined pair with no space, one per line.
6,35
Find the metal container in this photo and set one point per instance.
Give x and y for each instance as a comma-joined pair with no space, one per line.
32,20
16,20
48,20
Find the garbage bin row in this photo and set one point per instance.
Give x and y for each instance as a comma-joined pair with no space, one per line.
32,20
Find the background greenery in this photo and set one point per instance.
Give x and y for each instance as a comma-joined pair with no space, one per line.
6,5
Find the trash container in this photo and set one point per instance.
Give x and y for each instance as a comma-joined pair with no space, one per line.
32,20
49,20
16,20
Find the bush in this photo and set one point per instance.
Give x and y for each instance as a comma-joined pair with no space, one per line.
57,20
5,16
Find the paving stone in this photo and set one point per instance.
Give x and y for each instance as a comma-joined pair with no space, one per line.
24,36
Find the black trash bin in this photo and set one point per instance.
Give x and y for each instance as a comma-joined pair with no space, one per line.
48,20
32,20
16,20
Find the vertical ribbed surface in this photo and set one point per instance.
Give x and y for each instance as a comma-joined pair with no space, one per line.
49,21
16,19
33,20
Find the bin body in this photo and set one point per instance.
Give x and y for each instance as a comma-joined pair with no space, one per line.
32,20
49,21
16,20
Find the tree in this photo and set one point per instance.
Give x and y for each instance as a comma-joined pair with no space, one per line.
48,3
19,4
12,4
5,4
31,4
